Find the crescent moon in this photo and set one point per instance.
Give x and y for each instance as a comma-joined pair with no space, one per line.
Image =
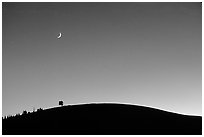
60,35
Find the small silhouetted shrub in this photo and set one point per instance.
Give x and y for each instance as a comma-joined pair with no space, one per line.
25,112
40,109
61,103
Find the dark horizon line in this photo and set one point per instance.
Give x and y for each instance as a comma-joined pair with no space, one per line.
103,103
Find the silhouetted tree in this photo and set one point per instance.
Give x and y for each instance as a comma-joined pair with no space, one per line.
25,112
61,103
4,117
40,109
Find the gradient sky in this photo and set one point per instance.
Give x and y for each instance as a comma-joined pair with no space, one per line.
146,54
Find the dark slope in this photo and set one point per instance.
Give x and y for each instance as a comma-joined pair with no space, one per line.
105,119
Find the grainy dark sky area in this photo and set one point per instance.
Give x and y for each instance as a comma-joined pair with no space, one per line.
138,53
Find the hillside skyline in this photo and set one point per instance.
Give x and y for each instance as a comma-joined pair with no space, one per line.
148,54
102,119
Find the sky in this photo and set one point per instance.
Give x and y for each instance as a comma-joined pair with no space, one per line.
147,54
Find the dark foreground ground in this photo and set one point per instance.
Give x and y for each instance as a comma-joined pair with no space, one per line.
102,119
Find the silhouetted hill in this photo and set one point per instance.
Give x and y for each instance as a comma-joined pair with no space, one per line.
106,119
